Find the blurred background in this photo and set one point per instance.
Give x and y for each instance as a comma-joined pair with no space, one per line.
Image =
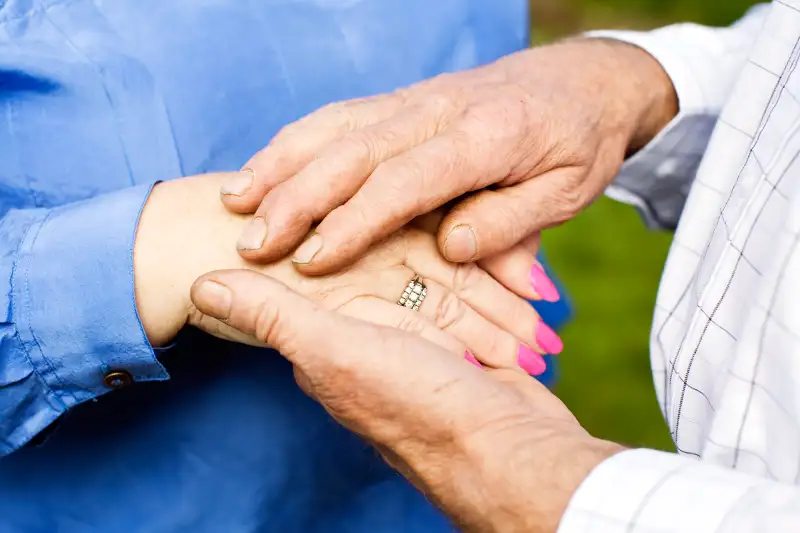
609,262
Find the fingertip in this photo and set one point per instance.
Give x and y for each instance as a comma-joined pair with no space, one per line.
547,339
238,191
253,236
530,361
542,284
331,246
212,298
274,249
460,244
462,237
512,269
272,236
242,205
496,218
321,264
229,277
472,360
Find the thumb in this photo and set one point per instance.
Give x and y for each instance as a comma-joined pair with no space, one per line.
362,372
492,221
316,340
269,311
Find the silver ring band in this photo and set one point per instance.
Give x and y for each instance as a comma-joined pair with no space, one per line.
414,294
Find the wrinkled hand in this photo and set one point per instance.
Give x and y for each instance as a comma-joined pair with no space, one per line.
547,129
184,232
494,449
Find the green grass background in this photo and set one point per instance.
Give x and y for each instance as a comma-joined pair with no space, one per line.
609,262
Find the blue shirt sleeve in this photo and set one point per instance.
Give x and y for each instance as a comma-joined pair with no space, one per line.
69,310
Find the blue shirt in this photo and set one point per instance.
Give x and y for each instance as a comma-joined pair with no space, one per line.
100,99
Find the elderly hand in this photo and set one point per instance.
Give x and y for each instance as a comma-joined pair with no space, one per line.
184,231
546,128
494,449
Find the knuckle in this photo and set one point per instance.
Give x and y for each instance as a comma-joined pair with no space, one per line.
573,181
466,276
409,167
359,217
497,348
449,311
267,322
304,382
504,117
336,108
456,152
569,202
444,104
410,323
398,184
362,145
401,96
341,113
287,134
201,321
352,228
522,108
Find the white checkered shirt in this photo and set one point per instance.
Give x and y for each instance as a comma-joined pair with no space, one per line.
725,345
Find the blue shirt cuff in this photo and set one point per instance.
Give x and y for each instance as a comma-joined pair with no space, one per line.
74,299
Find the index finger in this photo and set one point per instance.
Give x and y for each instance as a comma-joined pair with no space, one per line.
400,189
296,145
333,177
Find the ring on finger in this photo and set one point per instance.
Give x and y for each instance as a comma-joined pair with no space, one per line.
414,294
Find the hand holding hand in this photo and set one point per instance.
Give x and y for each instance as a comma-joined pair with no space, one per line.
493,448
184,232
547,129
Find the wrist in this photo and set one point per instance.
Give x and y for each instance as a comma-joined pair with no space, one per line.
651,98
184,231
529,480
639,98
156,281
628,95
567,467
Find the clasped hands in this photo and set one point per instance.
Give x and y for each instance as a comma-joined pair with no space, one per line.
530,140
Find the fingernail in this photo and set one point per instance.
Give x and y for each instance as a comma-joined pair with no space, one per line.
213,299
254,235
239,183
542,284
530,361
308,249
460,244
471,358
547,339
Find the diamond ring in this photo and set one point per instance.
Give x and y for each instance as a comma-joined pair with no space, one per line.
414,294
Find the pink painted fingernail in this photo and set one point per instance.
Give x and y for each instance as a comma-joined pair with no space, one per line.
547,339
542,284
471,358
530,361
